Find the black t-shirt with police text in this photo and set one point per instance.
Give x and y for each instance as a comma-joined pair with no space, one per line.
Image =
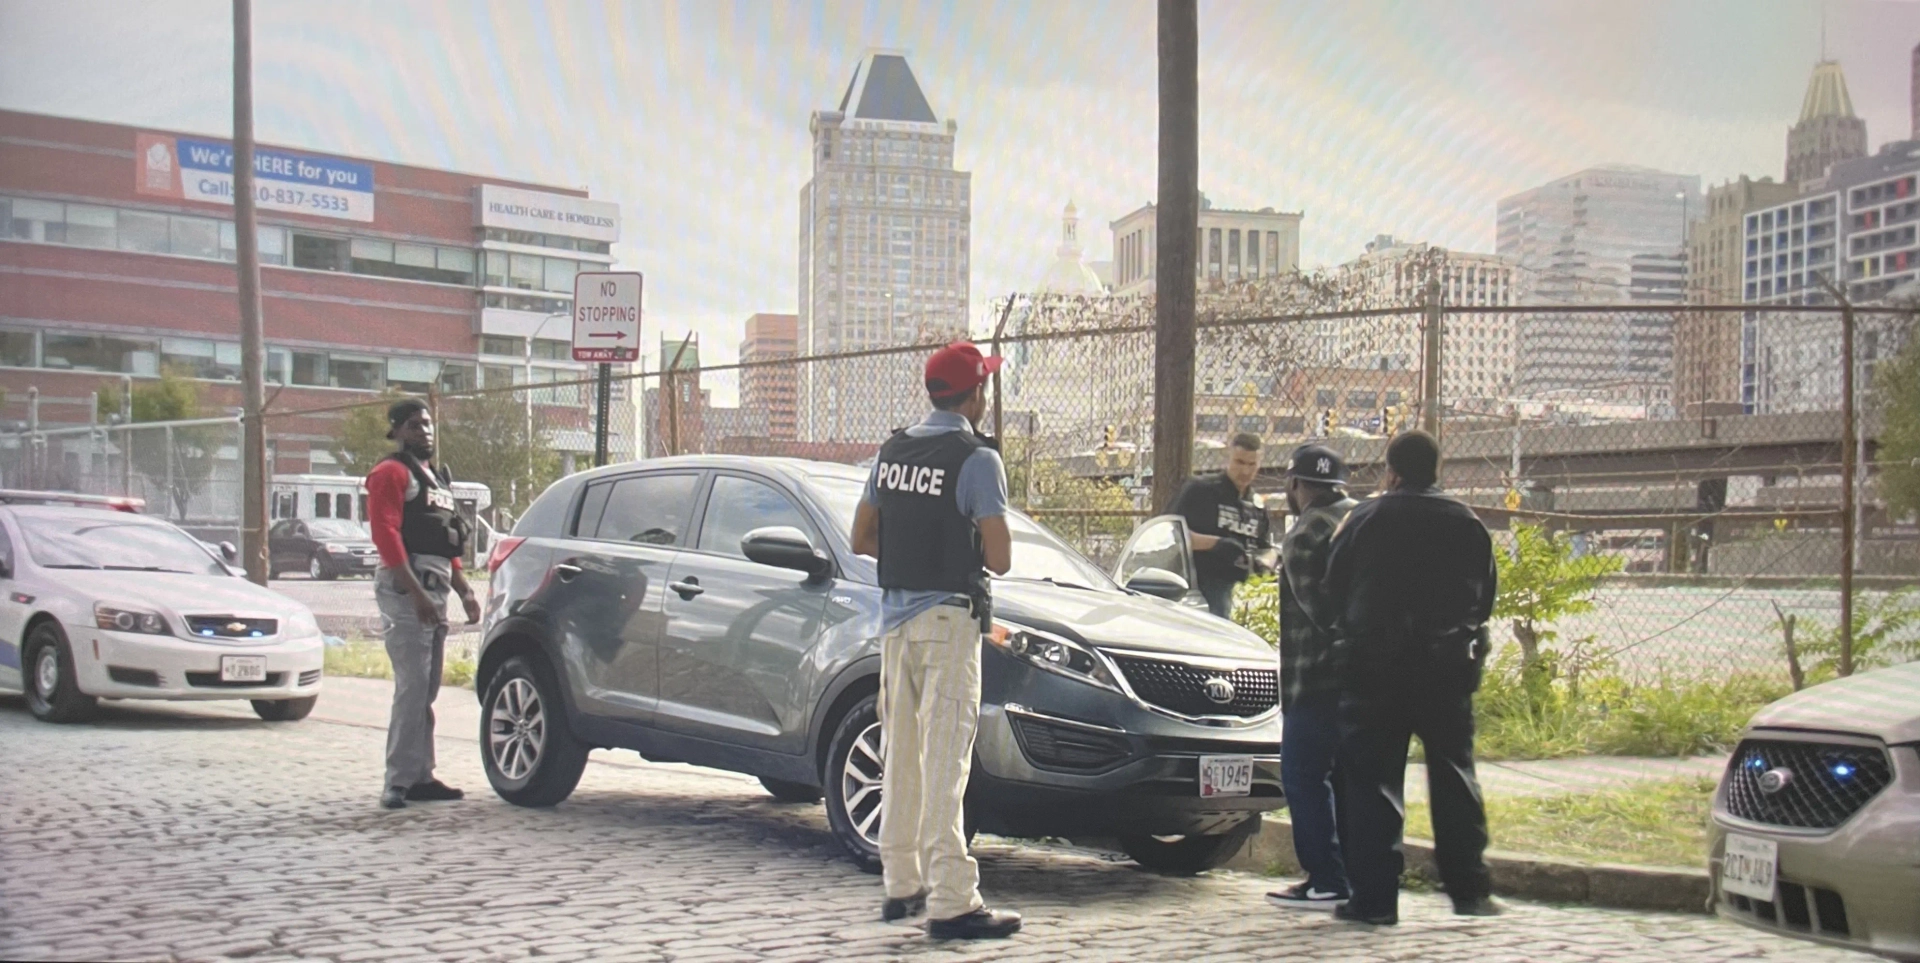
1212,505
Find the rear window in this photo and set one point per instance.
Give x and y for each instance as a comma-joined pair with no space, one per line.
645,509
547,516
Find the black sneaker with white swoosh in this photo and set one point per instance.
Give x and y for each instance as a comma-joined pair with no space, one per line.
1304,896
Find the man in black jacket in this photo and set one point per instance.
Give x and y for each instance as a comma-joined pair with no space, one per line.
1411,573
1226,526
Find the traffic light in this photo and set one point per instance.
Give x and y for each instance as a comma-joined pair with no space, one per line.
1110,436
1386,421
1326,422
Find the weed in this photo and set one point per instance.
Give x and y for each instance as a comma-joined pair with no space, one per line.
1662,823
368,660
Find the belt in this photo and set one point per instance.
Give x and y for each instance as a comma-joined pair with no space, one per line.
957,600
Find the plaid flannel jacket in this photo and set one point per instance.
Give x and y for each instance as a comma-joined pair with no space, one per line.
1307,616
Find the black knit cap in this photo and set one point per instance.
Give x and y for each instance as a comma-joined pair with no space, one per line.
400,411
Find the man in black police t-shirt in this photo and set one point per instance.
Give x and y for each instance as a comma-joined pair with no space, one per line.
1225,526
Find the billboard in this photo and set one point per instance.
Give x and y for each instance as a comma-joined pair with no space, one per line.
192,169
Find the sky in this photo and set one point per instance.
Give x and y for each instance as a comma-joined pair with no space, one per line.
1371,117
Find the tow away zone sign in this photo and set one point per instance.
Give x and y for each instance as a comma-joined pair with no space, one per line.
606,316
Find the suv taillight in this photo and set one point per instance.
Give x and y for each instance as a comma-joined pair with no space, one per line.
502,547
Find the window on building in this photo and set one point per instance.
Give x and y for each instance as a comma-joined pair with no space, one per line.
1362,399
1211,423
279,364
1325,398
310,368
501,344
458,376
1233,253
25,219
413,375
353,371
559,274
320,252
198,358
497,376
272,242
194,236
90,226
1253,423
552,349
81,352
525,271
1392,398
1253,254
1213,252
19,349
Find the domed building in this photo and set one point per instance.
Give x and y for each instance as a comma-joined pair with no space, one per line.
1068,274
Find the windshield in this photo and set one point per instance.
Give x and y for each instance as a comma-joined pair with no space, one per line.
1038,555
336,528
107,542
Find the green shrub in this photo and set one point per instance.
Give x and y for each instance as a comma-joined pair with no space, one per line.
1256,606
368,660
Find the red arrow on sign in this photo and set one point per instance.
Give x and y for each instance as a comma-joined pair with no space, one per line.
622,335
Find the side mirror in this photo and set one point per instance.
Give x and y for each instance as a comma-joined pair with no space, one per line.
783,546
1159,583
228,552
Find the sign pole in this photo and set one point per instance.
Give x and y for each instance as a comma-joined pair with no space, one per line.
253,360
603,397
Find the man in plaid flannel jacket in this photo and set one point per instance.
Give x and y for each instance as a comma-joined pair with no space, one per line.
1309,683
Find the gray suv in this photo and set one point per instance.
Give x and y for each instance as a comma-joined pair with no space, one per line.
708,610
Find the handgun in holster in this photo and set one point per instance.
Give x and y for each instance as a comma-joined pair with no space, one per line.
980,603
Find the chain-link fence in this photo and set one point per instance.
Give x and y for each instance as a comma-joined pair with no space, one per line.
1690,455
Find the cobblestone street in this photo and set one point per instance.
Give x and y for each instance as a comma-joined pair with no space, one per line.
161,832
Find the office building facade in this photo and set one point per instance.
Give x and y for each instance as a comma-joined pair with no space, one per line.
885,224
774,389
1232,245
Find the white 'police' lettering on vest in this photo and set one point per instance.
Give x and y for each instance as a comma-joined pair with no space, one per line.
440,498
918,479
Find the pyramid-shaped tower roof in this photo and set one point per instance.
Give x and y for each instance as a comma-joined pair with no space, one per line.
1826,93
884,88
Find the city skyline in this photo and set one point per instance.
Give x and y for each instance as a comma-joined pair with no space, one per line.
1442,108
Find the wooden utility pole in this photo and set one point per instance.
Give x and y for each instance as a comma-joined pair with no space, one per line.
1431,360
253,352
1176,223
1849,468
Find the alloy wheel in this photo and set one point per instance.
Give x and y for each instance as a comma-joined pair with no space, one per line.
517,729
860,784
313,568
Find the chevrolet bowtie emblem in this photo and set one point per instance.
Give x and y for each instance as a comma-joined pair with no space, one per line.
236,627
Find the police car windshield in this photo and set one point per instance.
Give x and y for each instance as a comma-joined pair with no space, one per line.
1038,556
336,528
99,540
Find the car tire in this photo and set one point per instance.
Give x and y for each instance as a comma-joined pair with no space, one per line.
530,754
52,688
1188,855
860,728
317,569
284,710
791,792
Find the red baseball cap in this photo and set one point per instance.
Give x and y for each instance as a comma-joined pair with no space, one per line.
959,368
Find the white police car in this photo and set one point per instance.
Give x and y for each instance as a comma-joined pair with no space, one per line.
97,601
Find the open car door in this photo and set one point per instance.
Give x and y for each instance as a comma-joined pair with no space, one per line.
1158,561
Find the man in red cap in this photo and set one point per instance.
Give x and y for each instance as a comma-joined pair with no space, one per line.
934,515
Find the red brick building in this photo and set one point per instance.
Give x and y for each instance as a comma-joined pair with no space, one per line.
774,389
116,262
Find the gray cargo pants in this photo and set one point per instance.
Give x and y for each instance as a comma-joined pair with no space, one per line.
417,651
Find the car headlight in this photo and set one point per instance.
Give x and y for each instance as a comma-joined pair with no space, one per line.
1052,653
301,623
129,620
338,549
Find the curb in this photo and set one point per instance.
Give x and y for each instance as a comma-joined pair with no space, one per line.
1612,885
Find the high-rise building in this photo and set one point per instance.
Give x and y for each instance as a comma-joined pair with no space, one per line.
1605,235
775,389
674,418
1232,245
1478,349
884,246
1827,132
1706,346
1861,225
1913,95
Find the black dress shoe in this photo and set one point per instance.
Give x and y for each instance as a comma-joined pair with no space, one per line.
394,798
981,924
1347,913
899,909
433,790
1477,906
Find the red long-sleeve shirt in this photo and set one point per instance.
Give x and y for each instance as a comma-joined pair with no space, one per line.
389,487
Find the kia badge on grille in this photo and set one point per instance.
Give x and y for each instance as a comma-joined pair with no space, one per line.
1776,779
1220,689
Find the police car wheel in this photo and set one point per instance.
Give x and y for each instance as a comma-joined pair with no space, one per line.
853,784
1188,855
531,756
317,569
53,691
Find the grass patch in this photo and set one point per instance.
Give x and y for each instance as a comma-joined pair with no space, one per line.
1661,823
368,660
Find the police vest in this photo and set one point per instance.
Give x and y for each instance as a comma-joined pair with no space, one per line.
926,542
430,522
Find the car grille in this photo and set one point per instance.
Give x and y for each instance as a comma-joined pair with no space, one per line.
309,677
1051,746
1829,782
228,627
1182,688
211,680
126,676
1798,909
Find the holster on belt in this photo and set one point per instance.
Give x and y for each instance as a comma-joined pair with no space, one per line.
980,603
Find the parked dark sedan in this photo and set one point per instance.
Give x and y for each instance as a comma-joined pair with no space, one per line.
324,548
708,610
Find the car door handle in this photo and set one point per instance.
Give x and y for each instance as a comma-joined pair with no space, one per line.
566,571
687,589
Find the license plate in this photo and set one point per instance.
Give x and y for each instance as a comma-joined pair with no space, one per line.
1747,869
1226,775
243,668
